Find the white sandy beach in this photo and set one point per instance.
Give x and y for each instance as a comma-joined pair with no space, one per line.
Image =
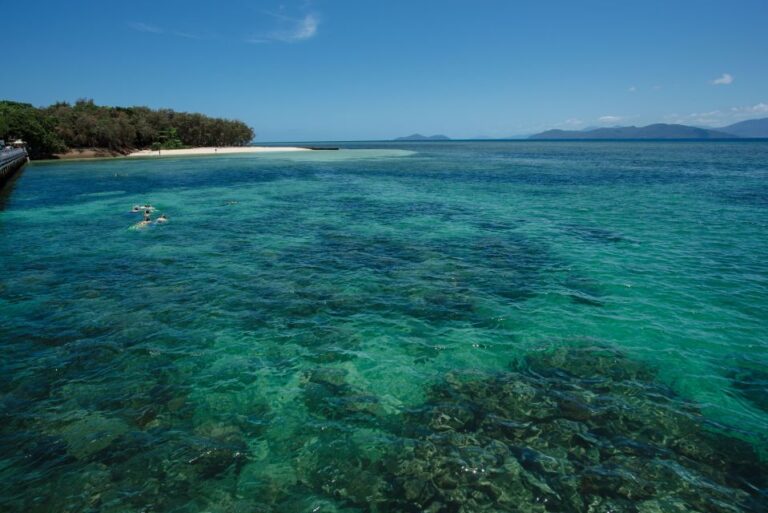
215,151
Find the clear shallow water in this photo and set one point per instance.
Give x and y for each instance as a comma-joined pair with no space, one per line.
416,327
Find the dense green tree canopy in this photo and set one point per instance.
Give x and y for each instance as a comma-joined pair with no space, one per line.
22,120
63,126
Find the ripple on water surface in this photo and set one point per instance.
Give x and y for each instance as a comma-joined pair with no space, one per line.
422,327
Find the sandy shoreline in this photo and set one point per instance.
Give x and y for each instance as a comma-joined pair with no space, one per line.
215,151
88,153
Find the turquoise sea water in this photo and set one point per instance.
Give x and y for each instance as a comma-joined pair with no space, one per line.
487,326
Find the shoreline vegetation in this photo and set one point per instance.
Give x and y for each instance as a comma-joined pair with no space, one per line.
87,130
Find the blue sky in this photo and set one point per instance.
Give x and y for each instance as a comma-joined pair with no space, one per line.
359,69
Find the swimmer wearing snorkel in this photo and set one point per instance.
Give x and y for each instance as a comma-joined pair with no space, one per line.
143,223
146,221
139,208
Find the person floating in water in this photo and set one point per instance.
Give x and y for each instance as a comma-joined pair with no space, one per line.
145,222
138,208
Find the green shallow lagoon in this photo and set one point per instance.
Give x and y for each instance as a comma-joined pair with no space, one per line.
441,327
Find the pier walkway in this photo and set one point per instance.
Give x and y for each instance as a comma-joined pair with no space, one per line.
10,162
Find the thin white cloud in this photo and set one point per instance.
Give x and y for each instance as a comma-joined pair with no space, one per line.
609,119
570,123
186,35
291,30
720,117
305,29
723,79
632,89
154,29
758,108
145,27
711,118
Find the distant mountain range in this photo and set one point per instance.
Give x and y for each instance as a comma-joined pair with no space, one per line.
746,129
752,128
657,131
419,137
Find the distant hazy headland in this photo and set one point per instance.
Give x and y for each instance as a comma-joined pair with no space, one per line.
87,130
419,137
753,128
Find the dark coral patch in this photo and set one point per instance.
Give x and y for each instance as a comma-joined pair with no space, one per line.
569,429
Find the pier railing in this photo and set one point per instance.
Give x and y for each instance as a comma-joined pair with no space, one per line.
10,162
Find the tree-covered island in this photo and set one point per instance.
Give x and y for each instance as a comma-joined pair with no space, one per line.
63,127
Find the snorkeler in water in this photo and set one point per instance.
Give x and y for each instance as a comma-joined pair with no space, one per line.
147,220
141,208
144,223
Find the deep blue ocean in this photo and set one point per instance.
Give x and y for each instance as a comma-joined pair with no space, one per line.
391,327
